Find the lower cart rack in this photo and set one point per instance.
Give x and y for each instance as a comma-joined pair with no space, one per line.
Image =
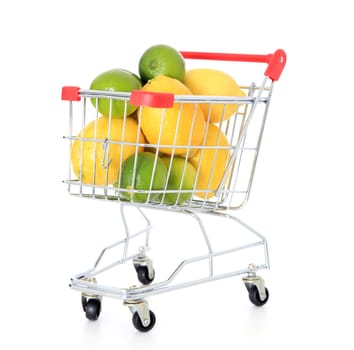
135,296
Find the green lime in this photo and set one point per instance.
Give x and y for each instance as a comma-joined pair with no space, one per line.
143,172
161,59
120,80
182,177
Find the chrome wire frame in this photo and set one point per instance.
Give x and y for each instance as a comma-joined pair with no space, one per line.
85,281
233,193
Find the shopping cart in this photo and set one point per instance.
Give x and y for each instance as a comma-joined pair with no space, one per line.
244,134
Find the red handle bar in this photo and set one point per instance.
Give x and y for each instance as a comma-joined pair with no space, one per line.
276,61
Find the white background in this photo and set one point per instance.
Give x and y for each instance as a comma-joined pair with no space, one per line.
302,198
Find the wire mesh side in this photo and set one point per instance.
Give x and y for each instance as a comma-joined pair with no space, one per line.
109,149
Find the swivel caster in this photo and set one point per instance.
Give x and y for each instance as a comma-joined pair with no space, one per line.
143,267
144,276
255,297
143,318
140,325
257,292
91,306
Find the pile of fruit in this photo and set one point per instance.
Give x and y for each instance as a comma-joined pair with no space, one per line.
155,154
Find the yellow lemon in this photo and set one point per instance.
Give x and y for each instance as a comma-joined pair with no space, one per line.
182,125
97,161
213,82
210,162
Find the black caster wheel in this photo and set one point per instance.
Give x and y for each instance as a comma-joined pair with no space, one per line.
143,275
92,308
139,325
255,298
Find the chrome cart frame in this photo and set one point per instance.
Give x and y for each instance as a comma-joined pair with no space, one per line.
244,131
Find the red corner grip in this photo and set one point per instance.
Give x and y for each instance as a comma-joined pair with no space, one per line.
151,99
70,93
276,65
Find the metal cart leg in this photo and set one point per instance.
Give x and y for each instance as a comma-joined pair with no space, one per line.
206,239
128,234
142,264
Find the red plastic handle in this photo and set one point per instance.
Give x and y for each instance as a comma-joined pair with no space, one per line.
70,93
151,99
276,61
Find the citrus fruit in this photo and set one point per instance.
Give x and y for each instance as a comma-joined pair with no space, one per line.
98,162
120,80
180,125
161,59
210,163
143,172
213,82
181,177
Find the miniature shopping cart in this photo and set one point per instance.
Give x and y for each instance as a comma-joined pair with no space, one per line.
243,130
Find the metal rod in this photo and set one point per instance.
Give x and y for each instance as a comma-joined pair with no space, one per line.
206,239
148,291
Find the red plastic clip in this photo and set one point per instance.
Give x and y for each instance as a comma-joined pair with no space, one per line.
70,93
